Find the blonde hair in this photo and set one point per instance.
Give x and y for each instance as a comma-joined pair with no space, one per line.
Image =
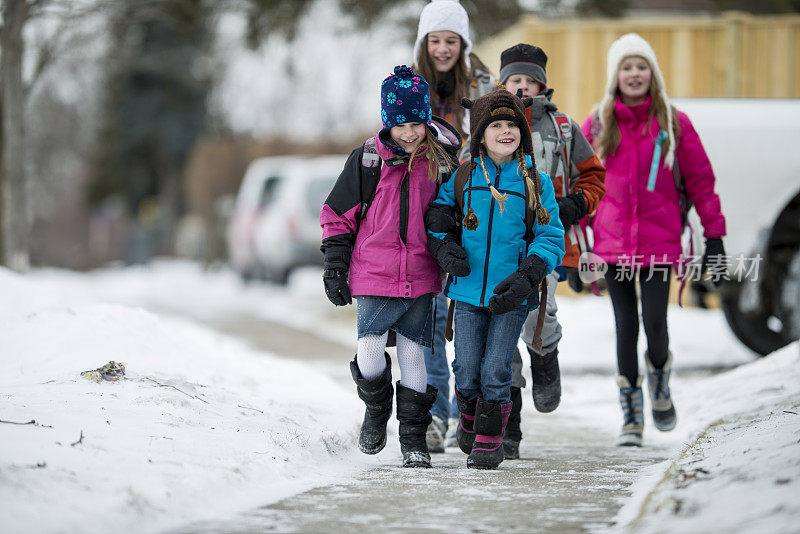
607,141
437,155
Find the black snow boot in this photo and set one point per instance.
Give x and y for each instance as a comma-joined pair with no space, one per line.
546,378
490,424
414,414
513,434
377,395
465,433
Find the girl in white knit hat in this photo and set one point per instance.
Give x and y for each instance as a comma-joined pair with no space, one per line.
443,56
651,152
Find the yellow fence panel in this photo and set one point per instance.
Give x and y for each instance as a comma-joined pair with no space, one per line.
732,55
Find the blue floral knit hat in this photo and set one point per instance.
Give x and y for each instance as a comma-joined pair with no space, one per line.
404,98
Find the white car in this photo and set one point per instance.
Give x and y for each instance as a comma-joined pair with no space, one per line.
256,192
287,233
752,144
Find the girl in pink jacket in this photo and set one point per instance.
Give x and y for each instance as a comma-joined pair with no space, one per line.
637,226
375,246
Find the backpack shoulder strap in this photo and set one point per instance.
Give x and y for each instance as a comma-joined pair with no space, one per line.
459,181
530,214
564,128
596,125
370,174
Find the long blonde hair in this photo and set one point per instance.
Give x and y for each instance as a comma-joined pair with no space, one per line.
608,139
437,155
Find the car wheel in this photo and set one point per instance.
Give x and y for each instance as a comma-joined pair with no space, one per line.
790,297
750,327
764,315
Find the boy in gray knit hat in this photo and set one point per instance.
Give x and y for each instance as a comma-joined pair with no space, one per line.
561,151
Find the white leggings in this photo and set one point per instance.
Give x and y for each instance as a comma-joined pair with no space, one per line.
410,355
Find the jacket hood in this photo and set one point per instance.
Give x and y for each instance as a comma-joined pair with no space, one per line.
542,104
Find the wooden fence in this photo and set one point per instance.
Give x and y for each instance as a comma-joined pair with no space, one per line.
732,55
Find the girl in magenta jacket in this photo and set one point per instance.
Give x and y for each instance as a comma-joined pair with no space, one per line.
375,247
637,226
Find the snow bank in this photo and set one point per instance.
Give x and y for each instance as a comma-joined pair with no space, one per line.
201,427
737,467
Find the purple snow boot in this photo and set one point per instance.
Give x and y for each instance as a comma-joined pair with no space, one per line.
465,434
490,424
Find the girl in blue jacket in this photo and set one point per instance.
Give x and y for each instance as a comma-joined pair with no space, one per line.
485,237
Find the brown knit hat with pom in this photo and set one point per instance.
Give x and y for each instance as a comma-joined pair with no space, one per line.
495,106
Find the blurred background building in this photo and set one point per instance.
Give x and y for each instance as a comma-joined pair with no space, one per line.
128,125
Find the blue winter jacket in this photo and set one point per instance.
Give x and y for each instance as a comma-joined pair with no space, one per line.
497,247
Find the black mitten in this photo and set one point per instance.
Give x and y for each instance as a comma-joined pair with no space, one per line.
441,219
714,260
337,252
571,208
336,287
518,286
450,256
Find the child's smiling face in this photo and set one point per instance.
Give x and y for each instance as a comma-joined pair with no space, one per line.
444,48
408,135
634,78
501,138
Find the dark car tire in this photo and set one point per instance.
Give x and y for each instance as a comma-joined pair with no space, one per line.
751,328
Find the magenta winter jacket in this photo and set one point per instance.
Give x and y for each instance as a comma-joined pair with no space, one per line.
632,221
390,254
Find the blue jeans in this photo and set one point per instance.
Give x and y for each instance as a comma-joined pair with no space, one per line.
436,365
485,345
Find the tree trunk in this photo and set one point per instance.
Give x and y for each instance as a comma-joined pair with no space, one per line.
15,199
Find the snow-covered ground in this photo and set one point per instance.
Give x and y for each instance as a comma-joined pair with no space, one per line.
204,427
200,428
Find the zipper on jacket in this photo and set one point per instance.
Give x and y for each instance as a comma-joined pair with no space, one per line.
489,238
404,207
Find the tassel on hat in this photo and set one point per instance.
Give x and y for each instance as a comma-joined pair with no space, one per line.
631,44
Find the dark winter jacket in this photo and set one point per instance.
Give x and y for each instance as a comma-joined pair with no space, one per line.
386,249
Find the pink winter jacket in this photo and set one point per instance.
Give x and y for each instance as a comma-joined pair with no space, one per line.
390,254
633,224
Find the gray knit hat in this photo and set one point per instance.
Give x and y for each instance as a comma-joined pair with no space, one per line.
524,59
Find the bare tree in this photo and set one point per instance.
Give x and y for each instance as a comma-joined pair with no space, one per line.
15,212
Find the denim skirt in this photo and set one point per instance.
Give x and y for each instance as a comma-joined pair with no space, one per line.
411,318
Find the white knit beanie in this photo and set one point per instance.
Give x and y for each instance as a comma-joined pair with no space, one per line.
441,15
626,46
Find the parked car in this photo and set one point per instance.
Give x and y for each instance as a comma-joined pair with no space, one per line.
256,193
752,145
286,233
